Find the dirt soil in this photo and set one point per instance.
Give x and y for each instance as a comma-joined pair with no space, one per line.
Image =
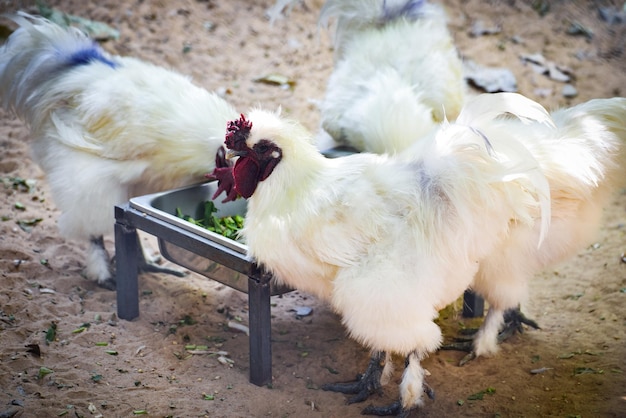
580,305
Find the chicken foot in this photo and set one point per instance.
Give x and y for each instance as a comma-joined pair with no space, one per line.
146,266
366,384
98,264
415,373
513,321
395,408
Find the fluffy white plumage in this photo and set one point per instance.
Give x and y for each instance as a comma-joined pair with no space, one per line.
485,202
397,73
105,128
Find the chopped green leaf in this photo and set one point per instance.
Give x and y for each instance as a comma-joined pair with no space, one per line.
331,370
51,333
44,371
587,370
187,320
27,224
21,184
227,226
480,395
276,80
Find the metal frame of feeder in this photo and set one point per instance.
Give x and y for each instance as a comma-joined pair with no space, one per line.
128,220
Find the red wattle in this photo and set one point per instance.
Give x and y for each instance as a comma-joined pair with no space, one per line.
246,173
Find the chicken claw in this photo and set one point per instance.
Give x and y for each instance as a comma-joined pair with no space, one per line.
396,407
381,411
147,267
365,385
514,320
107,279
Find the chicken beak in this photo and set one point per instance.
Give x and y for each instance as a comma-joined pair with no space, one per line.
230,154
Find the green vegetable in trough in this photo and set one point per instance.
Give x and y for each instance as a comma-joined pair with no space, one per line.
227,226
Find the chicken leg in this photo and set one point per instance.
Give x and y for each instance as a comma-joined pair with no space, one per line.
370,382
513,320
413,372
99,264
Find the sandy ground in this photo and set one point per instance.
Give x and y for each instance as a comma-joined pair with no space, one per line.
225,45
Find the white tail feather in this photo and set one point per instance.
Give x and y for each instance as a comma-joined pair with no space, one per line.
29,61
486,107
520,162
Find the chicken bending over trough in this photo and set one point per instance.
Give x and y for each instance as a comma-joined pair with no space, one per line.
396,69
484,202
105,128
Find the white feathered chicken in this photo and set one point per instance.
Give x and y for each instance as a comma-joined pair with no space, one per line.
390,240
396,71
105,128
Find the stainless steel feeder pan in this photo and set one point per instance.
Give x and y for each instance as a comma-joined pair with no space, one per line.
190,200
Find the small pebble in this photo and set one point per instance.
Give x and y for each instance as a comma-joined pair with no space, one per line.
569,91
541,370
303,311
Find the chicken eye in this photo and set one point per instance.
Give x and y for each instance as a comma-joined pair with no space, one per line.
263,146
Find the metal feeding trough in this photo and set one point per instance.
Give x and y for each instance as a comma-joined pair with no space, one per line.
197,249
190,201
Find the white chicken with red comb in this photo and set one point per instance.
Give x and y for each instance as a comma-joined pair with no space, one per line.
484,202
105,128
396,69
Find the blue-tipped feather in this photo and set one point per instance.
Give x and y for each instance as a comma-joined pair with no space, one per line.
411,10
89,55
34,56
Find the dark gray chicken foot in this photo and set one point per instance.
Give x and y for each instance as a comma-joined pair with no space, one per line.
146,267
395,408
463,342
514,320
366,384
143,266
387,410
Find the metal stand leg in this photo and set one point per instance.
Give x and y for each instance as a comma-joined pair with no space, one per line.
473,305
260,332
126,251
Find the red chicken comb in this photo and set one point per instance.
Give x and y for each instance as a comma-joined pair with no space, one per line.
237,132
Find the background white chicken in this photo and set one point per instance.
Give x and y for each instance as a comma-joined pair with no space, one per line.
389,241
105,128
396,71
